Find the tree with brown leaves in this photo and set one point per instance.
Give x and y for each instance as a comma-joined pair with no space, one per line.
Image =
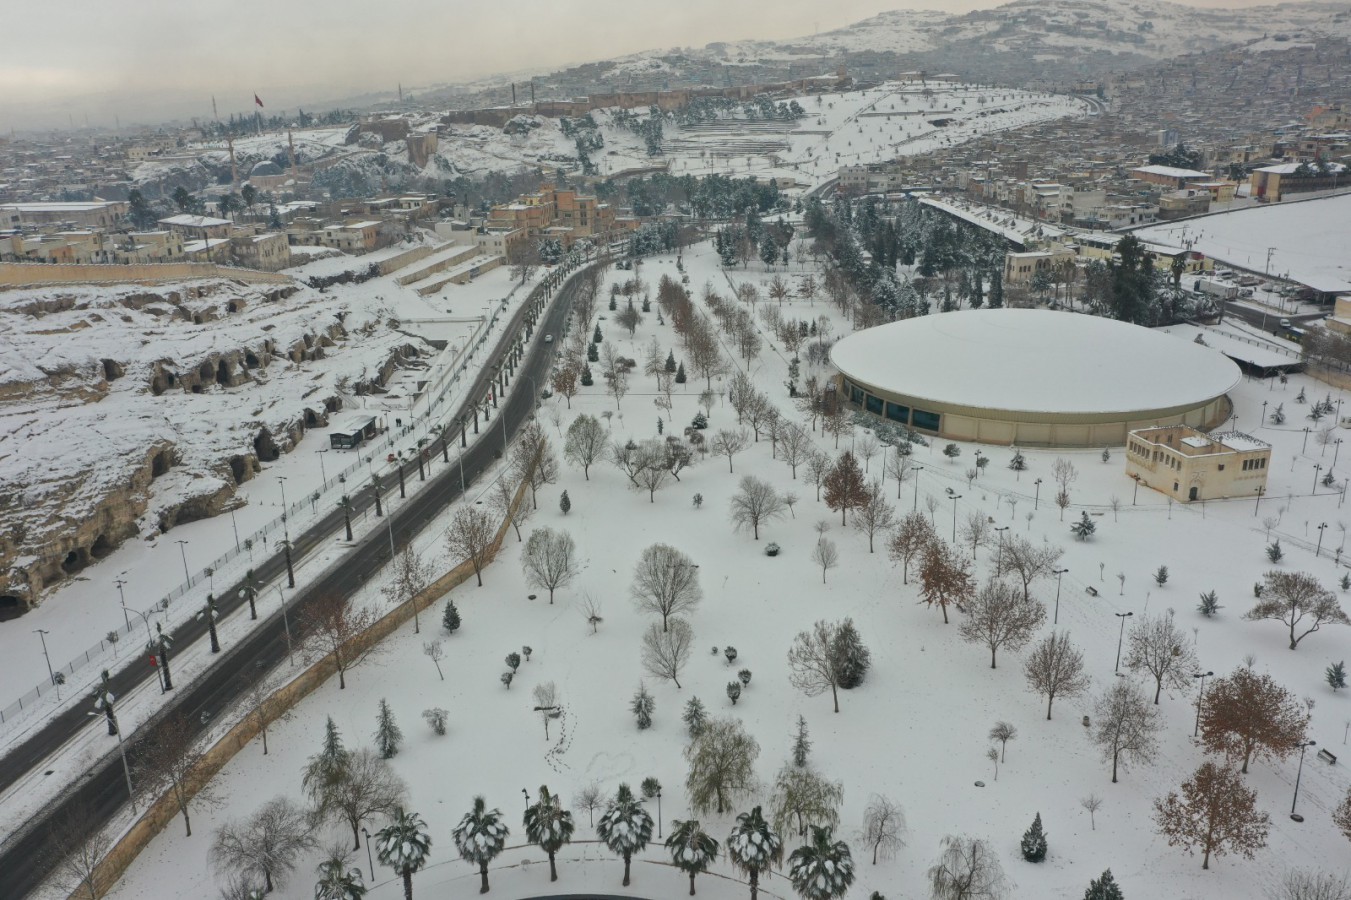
333,626
565,383
845,487
998,617
1299,601
1214,813
168,763
1341,816
1159,647
1249,716
945,577
533,460
471,538
911,537
1055,668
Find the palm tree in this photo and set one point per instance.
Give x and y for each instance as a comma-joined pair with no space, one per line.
693,850
337,882
480,836
821,870
548,826
626,827
753,847
403,845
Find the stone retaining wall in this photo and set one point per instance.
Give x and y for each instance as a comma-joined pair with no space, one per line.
16,275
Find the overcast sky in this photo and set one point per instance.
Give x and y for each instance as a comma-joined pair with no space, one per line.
148,60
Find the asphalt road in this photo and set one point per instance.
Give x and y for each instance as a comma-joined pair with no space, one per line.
1272,319
23,860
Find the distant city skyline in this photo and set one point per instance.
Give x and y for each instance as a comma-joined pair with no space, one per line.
156,60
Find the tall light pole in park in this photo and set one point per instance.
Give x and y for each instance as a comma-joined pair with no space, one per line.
916,470
1058,573
1036,499
184,553
1123,617
1199,697
955,498
999,530
1302,747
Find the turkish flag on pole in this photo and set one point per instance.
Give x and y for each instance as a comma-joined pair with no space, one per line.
256,100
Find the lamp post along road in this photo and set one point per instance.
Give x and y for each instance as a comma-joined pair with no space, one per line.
42,635
1036,499
1123,617
1199,697
1298,774
1059,573
184,553
123,597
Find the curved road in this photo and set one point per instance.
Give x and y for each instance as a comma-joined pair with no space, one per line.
24,862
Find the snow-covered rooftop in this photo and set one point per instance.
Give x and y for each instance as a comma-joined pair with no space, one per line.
1293,167
1033,360
1171,172
188,221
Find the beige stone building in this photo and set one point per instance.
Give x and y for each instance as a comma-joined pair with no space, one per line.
1187,464
269,251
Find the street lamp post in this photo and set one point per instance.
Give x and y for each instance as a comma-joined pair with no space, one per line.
955,498
119,583
282,479
1316,469
916,470
658,812
1135,495
162,645
1261,489
1319,548
999,530
1336,448
369,861
1199,697
1298,774
1123,617
286,622
1036,500
1305,446
526,794
1264,413
322,473
184,553
42,635
1058,573
103,705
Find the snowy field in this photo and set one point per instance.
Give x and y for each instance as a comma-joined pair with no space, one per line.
1306,240
914,731
207,428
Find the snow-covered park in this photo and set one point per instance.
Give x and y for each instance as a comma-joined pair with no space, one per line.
916,731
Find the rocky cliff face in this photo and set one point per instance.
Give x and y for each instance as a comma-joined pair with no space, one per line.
126,411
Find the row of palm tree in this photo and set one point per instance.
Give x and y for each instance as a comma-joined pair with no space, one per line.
822,869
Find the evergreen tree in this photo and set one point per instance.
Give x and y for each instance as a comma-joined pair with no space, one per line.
802,744
450,620
328,767
670,364
387,733
596,336
821,869
626,827
694,717
1161,576
1336,675
680,377
1034,842
1274,551
480,837
564,503
642,706
693,850
1084,528
1210,604
403,845
338,882
548,826
734,691
753,846
1104,888
852,658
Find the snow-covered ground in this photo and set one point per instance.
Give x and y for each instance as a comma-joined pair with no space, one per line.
915,731
78,614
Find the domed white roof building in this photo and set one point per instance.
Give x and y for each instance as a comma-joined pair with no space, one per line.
1032,377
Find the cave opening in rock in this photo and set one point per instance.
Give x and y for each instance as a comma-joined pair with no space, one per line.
238,469
75,561
102,547
311,420
265,447
11,607
250,359
197,389
111,370
197,318
160,463
232,306
223,373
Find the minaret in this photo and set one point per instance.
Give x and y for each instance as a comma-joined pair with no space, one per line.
234,167
291,144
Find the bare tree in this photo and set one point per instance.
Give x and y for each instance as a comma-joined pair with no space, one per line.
1296,885
665,582
754,504
266,845
650,468
256,700
1214,813
533,460
874,514
911,538
616,373
1299,601
435,651
1029,562
899,467
1055,668
759,413
586,443
818,470
168,765
967,870
997,617
367,787
591,611
1125,725
1003,732
334,627
796,447
503,498
1092,803
976,530
75,848
883,827
589,799
409,576
867,448
550,560
1159,647
1248,716
826,555
470,538
945,577
729,443
546,703
813,663
666,650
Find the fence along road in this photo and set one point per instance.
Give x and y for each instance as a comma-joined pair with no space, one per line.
24,862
